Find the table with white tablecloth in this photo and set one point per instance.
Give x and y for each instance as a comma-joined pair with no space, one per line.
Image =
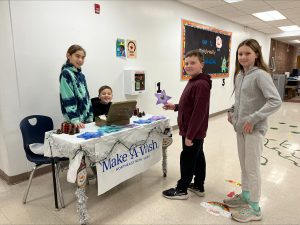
117,155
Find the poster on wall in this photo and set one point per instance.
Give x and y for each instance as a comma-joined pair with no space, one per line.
212,42
120,47
131,48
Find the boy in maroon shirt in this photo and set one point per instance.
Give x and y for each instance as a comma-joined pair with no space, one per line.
193,113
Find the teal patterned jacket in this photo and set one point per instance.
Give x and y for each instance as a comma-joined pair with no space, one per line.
75,100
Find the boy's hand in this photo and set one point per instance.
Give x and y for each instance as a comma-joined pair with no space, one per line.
248,128
169,106
188,142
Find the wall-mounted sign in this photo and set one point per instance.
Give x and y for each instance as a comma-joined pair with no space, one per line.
131,48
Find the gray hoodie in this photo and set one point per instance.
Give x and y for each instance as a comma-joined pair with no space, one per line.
256,97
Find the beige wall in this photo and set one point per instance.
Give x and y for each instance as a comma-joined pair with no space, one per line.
36,34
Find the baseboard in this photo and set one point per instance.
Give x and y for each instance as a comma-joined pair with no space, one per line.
218,113
10,180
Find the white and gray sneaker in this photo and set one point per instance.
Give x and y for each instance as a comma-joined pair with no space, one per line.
246,214
197,190
236,201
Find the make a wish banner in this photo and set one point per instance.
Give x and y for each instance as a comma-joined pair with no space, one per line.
128,154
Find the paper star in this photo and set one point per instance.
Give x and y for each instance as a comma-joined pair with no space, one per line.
162,97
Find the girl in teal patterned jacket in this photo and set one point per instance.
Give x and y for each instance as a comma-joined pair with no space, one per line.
75,100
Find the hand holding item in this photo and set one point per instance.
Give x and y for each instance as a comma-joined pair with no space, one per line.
169,106
80,125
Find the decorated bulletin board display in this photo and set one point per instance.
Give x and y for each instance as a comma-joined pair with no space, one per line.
214,43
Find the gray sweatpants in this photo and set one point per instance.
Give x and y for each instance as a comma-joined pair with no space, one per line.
250,148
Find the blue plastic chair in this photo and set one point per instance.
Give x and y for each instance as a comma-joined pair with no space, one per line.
33,130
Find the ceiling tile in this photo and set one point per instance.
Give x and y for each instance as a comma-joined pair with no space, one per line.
258,25
296,21
254,8
229,15
278,23
245,19
270,30
241,12
293,17
283,4
222,9
292,11
250,4
203,4
209,4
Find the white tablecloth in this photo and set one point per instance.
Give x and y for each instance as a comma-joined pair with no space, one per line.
118,156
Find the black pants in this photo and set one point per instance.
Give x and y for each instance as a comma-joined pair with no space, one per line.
192,162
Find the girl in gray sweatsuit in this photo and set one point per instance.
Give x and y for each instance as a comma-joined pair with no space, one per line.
256,98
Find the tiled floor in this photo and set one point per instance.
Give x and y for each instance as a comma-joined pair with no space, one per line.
139,200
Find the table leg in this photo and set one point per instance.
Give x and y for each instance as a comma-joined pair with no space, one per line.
60,195
54,183
164,161
167,141
80,193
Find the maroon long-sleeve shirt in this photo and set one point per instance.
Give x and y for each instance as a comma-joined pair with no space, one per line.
193,107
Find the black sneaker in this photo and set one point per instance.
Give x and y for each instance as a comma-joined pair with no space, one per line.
174,193
197,190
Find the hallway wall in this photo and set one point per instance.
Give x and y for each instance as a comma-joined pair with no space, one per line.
285,56
35,36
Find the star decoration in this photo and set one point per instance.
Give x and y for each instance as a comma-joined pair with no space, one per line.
162,97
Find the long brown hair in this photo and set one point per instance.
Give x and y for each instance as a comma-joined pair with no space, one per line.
259,61
74,48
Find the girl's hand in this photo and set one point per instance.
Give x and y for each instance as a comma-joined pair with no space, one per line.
188,142
80,125
229,117
248,128
169,106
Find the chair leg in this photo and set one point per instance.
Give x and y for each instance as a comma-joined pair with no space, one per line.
29,184
54,184
61,198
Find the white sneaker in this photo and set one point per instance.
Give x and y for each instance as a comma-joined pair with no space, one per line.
246,214
198,191
236,201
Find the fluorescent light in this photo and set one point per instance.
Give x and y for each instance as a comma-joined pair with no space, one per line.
269,15
290,28
232,1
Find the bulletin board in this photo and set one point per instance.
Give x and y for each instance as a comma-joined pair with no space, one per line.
214,43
